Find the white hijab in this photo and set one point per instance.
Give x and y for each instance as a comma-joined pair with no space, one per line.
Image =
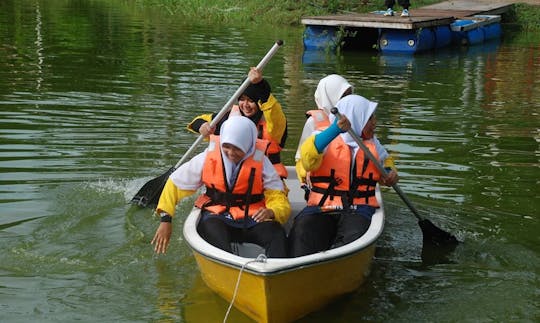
358,110
240,132
329,90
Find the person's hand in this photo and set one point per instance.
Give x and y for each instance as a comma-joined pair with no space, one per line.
254,75
263,214
162,237
389,179
206,130
344,124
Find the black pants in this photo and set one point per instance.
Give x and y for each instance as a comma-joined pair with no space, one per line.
404,3
312,233
269,234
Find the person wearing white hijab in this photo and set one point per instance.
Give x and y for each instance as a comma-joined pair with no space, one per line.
358,111
237,143
329,91
341,210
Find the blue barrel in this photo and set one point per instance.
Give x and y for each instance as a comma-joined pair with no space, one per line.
492,31
406,41
474,36
320,38
466,32
443,36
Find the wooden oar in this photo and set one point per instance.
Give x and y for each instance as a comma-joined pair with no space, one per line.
148,195
431,233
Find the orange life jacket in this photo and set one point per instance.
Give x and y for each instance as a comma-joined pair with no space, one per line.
332,185
218,198
274,149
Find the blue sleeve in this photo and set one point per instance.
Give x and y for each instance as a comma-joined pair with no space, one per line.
324,138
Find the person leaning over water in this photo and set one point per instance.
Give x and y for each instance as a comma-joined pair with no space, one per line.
340,206
329,91
239,180
259,105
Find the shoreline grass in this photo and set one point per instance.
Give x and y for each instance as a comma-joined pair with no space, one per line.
290,12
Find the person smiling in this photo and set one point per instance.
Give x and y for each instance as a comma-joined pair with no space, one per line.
259,105
244,200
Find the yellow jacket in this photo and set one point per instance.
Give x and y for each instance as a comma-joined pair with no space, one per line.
276,122
276,200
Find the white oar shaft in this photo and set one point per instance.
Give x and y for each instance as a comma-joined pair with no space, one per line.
231,101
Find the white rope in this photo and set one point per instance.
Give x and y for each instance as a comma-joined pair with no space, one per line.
260,258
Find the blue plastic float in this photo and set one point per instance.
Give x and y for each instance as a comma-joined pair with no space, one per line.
406,41
476,30
471,31
320,38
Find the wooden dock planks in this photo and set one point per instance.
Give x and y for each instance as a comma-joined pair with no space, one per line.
371,20
440,14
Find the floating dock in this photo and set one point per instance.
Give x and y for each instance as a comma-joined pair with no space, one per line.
427,28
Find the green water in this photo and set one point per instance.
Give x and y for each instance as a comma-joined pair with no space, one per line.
94,100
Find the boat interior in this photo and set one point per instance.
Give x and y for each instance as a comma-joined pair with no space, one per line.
297,201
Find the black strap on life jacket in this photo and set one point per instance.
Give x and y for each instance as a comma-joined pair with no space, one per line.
275,158
229,199
260,130
248,195
347,197
369,182
330,191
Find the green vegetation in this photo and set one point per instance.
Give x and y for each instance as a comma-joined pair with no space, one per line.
289,12
284,12
524,16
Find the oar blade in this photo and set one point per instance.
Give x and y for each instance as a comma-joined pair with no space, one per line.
435,236
148,195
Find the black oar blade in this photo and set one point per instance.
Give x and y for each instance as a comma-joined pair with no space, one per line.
437,254
436,236
148,195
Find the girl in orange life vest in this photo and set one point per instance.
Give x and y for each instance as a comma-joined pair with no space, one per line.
330,89
226,169
340,206
259,105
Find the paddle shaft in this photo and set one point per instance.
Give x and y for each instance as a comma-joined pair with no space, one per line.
227,107
381,169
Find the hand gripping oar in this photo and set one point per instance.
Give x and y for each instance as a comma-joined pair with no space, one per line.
148,195
431,233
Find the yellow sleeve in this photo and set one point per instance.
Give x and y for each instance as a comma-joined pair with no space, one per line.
171,196
276,121
207,117
389,162
309,156
300,171
277,201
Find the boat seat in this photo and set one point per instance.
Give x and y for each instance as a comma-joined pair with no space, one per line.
247,250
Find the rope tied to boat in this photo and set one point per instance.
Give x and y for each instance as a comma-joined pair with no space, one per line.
260,258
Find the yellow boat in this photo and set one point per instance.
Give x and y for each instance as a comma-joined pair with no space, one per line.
279,289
